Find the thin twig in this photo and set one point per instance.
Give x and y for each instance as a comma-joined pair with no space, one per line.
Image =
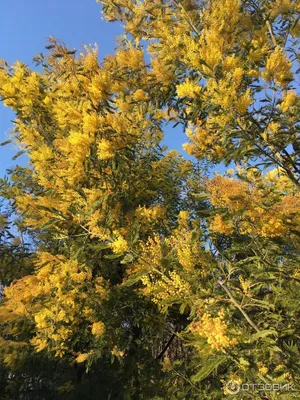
238,306
271,33
165,347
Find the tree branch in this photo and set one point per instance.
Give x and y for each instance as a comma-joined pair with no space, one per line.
271,33
166,347
238,306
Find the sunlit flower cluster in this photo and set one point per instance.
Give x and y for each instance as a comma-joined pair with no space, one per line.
215,330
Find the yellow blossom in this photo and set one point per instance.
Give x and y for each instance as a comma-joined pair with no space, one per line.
262,369
105,150
98,329
188,89
215,330
273,127
82,357
116,352
282,7
140,95
288,101
130,58
152,213
219,225
119,245
278,68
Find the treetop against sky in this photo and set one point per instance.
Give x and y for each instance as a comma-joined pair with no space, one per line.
26,27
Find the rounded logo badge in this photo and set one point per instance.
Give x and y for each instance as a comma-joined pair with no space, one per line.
232,387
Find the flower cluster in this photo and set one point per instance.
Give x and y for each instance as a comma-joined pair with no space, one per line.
246,205
215,330
68,296
165,289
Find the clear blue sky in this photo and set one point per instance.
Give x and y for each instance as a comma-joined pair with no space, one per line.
25,25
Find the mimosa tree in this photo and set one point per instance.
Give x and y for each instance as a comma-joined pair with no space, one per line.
150,275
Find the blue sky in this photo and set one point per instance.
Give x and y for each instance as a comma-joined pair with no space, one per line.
25,25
